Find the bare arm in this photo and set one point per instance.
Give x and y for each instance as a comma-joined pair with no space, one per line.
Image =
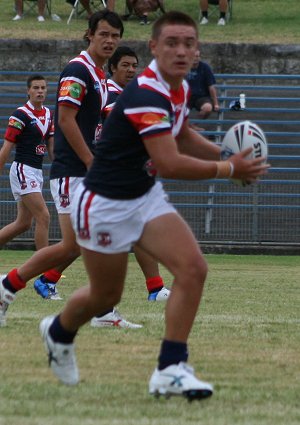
213,94
194,144
69,126
5,152
50,144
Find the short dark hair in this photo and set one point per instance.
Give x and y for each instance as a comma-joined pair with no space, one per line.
34,77
172,17
104,15
119,53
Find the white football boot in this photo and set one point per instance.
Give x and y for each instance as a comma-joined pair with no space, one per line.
6,298
62,358
113,319
179,379
161,295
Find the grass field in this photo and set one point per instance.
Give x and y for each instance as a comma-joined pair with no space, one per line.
254,21
245,341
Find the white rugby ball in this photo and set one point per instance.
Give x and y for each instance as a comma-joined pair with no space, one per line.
241,136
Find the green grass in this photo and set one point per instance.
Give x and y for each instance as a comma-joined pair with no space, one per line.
245,340
254,21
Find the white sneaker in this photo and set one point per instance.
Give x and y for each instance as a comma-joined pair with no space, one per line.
6,298
221,22
62,358
41,18
204,21
179,379
161,295
17,18
114,319
55,17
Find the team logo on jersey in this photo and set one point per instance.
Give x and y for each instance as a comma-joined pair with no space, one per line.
151,118
75,90
14,123
70,89
150,168
103,239
33,121
64,200
33,184
40,149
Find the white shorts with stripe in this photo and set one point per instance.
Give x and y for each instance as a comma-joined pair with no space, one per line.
24,179
113,226
62,191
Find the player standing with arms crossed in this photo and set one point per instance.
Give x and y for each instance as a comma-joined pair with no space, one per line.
120,204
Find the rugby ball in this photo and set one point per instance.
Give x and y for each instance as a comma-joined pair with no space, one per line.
241,136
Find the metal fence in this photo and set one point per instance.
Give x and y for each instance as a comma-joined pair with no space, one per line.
219,211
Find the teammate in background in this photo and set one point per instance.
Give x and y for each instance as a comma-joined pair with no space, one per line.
203,92
122,67
30,132
120,204
82,94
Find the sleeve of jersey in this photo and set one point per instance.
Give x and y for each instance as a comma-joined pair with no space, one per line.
73,85
149,114
15,127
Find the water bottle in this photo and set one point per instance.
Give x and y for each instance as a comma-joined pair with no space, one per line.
242,101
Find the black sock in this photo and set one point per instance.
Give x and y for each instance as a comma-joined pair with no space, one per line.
172,352
7,285
59,334
205,14
222,15
159,288
105,313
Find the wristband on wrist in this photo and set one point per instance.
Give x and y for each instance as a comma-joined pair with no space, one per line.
225,169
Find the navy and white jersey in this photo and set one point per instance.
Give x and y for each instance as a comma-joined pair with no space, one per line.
30,129
122,168
82,86
114,91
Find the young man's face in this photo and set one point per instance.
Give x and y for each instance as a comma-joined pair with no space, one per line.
37,91
174,50
125,70
104,42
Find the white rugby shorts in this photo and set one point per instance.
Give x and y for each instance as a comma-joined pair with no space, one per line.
62,191
112,226
24,179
